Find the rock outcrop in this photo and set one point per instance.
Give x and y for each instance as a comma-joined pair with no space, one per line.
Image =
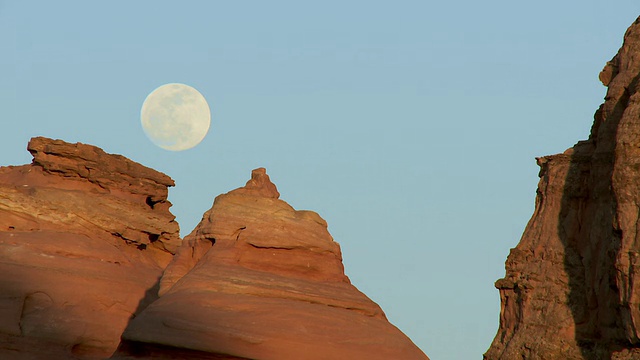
93,268
571,289
84,237
257,279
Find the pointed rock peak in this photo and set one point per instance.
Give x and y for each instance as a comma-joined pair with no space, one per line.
259,185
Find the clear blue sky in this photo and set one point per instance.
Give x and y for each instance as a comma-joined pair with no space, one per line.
410,126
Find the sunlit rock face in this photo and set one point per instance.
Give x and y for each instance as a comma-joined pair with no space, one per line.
570,290
93,268
84,237
259,280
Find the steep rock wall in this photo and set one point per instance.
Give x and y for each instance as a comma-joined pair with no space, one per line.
571,285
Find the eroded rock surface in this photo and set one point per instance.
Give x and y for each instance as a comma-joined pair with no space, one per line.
259,280
571,285
87,243
84,238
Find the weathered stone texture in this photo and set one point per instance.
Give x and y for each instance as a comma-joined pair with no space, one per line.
90,255
571,285
84,237
257,279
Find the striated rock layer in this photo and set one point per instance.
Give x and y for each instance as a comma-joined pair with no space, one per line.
571,286
257,279
84,237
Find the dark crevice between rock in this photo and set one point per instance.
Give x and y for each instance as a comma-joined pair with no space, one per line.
150,202
135,350
153,237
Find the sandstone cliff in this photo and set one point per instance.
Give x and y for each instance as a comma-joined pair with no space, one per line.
87,248
571,285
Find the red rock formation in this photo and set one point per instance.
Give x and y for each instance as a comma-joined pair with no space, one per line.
84,237
259,280
570,290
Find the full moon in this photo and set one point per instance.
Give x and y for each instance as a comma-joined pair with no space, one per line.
175,117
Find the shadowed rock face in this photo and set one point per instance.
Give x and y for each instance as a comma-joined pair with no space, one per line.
257,279
570,290
84,237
